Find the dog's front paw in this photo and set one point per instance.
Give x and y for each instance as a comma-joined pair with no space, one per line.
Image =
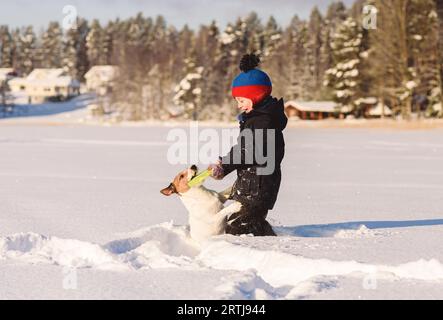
229,210
235,207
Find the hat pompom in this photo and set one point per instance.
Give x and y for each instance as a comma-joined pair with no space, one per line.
249,62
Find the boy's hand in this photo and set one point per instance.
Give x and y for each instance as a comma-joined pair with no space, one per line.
217,171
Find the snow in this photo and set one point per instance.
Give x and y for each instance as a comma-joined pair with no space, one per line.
366,100
46,77
358,217
315,106
352,73
435,92
74,108
437,107
185,84
4,72
343,93
433,15
411,85
227,37
350,65
40,74
262,271
197,91
103,73
194,76
379,110
364,54
417,37
346,109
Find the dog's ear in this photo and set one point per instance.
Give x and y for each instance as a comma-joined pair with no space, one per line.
168,190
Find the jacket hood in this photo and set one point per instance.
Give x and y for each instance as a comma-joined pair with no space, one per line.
273,107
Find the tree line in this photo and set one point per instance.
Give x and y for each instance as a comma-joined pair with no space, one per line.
329,56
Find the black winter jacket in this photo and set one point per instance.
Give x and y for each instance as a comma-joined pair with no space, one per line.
251,188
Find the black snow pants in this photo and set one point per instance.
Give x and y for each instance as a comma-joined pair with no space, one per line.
250,220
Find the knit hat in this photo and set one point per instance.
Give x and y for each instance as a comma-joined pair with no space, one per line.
252,83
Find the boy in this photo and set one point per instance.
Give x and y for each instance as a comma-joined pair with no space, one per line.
256,191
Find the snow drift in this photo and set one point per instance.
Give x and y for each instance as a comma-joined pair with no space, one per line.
261,273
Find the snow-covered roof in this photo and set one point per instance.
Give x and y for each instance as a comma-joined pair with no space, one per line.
41,74
105,73
313,106
45,78
367,100
378,110
66,81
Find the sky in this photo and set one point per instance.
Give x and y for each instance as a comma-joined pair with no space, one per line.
16,13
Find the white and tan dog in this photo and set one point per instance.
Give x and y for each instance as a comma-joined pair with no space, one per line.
207,214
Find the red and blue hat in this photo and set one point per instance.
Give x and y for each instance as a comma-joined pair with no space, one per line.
252,83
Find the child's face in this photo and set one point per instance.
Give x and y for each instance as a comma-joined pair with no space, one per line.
244,104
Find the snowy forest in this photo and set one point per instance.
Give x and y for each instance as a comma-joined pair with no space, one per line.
329,56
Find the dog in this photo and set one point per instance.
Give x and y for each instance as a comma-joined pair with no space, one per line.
207,214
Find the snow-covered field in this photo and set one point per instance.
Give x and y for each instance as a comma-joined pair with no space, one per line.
360,216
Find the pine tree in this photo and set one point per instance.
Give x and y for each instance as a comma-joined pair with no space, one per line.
272,36
27,47
345,76
39,55
185,44
95,44
335,16
15,35
6,48
274,57
82,61
207,41
69,57
314,63
423,53
108,43
224,61
75,59
390,61
51,46
254,34
188,91
405,54
233,42
297,73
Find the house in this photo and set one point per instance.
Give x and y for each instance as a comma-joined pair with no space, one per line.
311,110
43,84
99,79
